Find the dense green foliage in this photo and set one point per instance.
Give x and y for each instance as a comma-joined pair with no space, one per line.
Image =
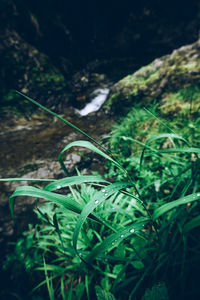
132,236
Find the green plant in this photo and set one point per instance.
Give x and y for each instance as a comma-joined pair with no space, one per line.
119,239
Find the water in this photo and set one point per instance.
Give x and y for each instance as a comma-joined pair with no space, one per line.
100,95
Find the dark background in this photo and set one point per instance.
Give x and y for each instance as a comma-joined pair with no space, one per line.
75,34
85,30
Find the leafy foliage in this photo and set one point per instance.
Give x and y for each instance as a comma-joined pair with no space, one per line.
129,239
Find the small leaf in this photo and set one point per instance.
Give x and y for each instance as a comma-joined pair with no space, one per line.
117,269
137,264
102,294
157,292
114,239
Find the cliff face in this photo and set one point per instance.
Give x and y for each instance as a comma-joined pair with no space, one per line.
160,79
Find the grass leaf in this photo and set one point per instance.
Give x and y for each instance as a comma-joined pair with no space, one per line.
195,222
66,201
157,137
89,146
168,206
114,239
73,180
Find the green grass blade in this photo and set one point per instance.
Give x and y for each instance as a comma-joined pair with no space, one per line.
168,206
114,210
166,135
74,180
180,150
66,201
62,288
56,225
26,179
195,222
114,239
159,120
49,282
89,146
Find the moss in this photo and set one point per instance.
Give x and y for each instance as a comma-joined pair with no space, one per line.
11,96
132,85
141,78
47,79
110,101
182,102
191,66
14,103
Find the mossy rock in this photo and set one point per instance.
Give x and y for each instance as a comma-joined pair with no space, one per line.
165,75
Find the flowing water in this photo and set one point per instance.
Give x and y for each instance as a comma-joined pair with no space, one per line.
99,97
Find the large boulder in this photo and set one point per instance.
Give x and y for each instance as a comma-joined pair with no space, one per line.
156,81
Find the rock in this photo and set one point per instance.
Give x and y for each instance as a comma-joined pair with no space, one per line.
171,73
23,208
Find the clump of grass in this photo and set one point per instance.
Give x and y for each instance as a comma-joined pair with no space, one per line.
127,238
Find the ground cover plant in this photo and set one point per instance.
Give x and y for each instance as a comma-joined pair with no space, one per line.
130,235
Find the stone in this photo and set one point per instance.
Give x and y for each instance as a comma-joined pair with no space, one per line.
169,73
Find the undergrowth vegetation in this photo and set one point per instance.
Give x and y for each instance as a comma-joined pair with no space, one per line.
130,235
